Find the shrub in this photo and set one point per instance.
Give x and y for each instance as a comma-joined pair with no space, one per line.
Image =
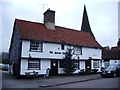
68,62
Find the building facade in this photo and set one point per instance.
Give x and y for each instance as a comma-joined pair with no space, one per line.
111,56
35,47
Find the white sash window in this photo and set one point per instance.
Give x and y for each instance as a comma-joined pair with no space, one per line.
77,50
34,64
95,63
36,46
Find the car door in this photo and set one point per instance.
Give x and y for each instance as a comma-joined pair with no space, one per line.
118,70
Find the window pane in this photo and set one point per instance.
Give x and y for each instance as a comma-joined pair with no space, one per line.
76,64
33,64
35,46
77,50
61,64
96,63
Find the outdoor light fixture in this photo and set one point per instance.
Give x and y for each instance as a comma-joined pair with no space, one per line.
30,56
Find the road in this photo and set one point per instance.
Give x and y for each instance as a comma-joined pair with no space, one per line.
0,79
99,83
9,81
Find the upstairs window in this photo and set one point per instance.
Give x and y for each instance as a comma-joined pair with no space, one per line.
36,46
77,50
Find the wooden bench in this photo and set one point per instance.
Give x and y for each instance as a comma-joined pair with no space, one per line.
28,73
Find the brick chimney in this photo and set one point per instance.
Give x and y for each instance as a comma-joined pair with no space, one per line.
49,19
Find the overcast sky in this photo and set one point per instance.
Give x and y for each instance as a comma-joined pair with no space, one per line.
102,14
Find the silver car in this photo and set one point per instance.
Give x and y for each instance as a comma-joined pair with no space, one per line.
113,70
4,67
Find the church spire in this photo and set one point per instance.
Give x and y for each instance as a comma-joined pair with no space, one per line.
118,44
85,23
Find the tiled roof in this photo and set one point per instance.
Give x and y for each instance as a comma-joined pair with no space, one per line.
38,31
115,48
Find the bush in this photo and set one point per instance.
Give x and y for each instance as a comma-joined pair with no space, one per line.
94,70
91,71
87,71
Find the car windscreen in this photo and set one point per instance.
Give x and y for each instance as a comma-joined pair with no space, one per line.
112,67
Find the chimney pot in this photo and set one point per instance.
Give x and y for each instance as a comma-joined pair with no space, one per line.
49,19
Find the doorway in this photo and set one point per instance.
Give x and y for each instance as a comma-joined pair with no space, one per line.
88,65
54,67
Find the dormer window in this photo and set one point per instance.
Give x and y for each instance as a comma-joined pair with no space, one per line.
77,50
36,46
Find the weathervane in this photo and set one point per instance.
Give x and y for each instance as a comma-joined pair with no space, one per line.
43,5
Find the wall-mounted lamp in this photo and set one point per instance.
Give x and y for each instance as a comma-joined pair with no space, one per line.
30,56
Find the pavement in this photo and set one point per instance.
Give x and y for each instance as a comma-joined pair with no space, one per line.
10,81
61,80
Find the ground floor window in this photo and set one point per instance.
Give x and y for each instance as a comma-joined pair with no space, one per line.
95,63
76,63
61,64
33,64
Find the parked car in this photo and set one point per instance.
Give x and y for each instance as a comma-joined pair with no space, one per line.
1,66
4,67
113,70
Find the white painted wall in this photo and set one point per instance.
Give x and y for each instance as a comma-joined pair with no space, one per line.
54,47
91,52
114,62
44,64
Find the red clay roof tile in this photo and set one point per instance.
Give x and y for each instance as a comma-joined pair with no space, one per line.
38,31
115,48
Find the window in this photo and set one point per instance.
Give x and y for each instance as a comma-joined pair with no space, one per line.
106,63
95,63
78,50
62,46
61,64
36,46
33,64
76,64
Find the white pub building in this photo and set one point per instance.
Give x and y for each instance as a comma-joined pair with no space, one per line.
36,47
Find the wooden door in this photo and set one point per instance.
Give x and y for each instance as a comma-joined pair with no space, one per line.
54,67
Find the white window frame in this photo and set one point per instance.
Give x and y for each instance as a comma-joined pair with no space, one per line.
77,65
106,63
33,64
36,46
77,50
95,63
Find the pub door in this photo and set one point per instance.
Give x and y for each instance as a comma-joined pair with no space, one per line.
88,65
54,67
